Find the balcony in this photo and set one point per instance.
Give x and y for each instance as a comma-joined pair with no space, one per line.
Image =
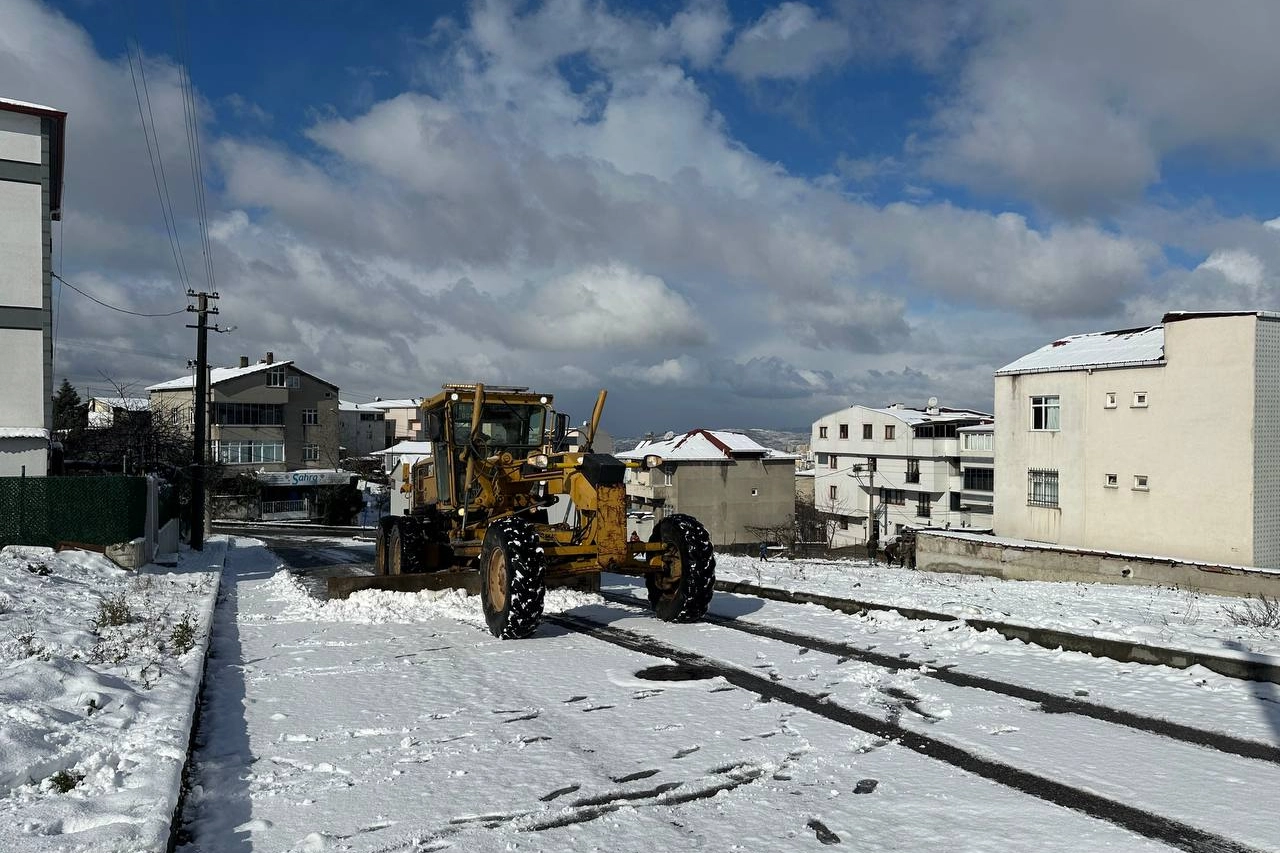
913,476
658,492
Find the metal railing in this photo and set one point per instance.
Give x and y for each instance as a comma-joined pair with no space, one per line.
273,507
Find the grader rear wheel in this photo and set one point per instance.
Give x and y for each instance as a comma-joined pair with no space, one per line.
394,551
512,579
682,591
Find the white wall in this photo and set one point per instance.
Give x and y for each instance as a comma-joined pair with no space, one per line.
21,233
19,137
1193,441
22,378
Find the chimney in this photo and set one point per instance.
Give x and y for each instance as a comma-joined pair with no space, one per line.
271,357
244,361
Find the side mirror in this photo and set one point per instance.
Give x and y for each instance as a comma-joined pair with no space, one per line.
561,430
432,427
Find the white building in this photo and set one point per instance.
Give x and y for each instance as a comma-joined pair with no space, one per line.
1164,440
31,153
897,467
405,417
106,412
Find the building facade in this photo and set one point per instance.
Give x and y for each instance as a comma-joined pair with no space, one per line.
880,471
363,429
733,485
1163,440
404,416
31,155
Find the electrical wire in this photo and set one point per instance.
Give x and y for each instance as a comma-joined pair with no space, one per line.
112,307
192,125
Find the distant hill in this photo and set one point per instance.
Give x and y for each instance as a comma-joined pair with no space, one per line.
778,439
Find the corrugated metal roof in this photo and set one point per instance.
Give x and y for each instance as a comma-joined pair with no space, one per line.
705,445
1126,347
216,375
27,105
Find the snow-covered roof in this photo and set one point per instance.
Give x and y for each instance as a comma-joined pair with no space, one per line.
977,428
407,403
348,406
1122,348
406,448
23,432
133,404
216,375
27,105
704,445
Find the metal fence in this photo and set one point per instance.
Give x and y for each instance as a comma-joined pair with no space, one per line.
89,510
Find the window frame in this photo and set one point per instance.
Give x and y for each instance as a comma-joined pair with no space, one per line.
276,376
311,417
310,452
924,505
844,432
833,493
890,432
1141,483
972,476
868,432
1140,400
1043,488
822,432
1109,401
1046,416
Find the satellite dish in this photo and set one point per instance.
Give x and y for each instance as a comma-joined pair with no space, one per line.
933,402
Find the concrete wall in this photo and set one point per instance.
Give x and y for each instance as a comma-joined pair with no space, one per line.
25,337
1193,440
719,495
947,552
1266,445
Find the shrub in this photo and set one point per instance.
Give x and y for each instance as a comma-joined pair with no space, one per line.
113,611
1260,612
64,780
183,635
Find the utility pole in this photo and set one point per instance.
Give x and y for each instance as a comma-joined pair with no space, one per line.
873,539
201,439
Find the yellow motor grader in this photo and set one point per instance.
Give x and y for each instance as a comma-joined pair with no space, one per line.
505,501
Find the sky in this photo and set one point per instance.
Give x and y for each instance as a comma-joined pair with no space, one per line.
729,215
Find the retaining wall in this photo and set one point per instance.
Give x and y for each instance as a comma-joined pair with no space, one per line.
939,551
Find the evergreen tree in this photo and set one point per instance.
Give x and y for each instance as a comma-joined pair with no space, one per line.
68,412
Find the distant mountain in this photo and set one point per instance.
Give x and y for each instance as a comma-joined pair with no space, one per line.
778,439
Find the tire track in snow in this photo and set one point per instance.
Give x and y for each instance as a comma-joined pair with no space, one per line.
1050,703
1167,830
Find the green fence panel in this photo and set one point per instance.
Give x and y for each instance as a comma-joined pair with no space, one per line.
92,510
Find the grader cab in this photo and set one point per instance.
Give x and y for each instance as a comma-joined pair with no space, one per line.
502,495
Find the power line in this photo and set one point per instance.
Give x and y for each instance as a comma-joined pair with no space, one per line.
112,307
191,120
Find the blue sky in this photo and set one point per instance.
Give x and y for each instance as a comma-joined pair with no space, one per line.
727,214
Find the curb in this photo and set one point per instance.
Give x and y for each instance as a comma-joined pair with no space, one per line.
1247,666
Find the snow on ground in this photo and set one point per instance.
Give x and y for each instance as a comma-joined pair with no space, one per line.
1160,616
99,668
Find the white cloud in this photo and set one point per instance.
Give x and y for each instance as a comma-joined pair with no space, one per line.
788,42
1237,266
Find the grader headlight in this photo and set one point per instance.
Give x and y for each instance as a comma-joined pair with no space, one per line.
652,460
539,460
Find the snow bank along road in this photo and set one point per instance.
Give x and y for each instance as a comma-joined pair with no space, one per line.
395,722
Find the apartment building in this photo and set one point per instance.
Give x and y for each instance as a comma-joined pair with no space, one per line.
880,471
363,429
404,416
726,480
1162,440
31,157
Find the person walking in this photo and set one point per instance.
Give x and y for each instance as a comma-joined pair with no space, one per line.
764,551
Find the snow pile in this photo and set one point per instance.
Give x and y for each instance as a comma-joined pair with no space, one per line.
1162,616
98,665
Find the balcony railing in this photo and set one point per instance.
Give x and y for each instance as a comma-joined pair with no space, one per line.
913,476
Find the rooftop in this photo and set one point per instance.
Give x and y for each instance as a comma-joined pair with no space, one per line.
1121,348
216,375
57,145
705,445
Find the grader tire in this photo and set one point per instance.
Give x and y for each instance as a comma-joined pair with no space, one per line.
682,591
512,579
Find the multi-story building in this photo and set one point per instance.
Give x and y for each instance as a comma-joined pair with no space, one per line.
977,473
733,485
106,412
31,155
1163,440
363,429
404,416
880,471
269,419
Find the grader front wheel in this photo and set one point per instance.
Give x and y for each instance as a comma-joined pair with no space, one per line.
512,579
682,591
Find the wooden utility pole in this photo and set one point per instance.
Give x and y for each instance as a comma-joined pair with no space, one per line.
200,441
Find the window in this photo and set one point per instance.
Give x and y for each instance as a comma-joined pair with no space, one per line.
296,382
822,459
249,452
979,479
174,416
276,377
666,477
248,414
955,502
370,416
1111,400
832,493
755,492
832,462
866,432
1044,413
1042,487
844,431
1139,399
310,417
888,432
978,441
1112,481
822,432
913,470
1140,482
897,497
844,522
922,505
310,453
